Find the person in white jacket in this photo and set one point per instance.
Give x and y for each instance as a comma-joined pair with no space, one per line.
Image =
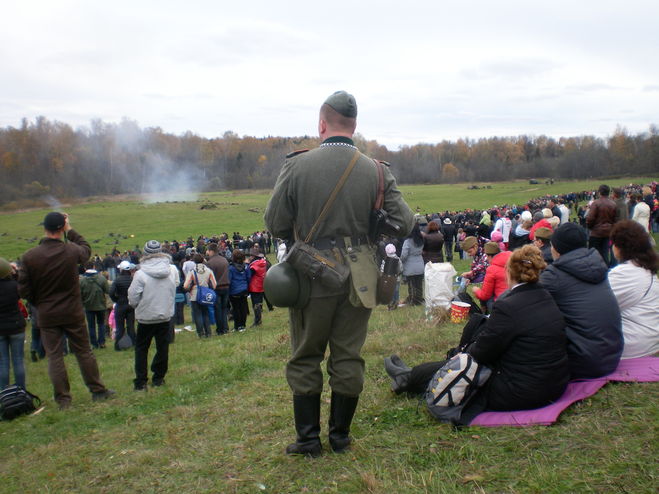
642,213
152,294
636,287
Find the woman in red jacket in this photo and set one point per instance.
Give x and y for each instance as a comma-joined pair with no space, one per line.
495,282
258,266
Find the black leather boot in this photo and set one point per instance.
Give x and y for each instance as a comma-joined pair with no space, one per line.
342,409
399,373
306,409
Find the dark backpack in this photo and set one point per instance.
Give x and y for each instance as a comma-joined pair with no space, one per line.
16,401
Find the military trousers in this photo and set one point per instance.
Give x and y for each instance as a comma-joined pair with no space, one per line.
332,322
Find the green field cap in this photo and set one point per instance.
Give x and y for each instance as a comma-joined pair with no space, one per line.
344,103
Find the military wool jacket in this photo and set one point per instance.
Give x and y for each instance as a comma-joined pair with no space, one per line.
305,183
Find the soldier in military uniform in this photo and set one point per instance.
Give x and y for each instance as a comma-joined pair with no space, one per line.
337,317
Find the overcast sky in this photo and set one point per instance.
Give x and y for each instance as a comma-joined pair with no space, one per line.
421,71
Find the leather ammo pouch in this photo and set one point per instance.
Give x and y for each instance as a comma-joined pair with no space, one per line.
313,263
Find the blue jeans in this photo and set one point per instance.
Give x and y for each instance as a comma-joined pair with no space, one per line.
201,319
95,317
222,310
11,347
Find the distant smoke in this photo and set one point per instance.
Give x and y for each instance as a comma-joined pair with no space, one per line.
52,202
164,180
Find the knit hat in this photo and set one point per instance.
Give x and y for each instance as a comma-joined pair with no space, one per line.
152,247
344,103
496,236
390,249
5,268
568,237
526,216
492,248
543,233
468,243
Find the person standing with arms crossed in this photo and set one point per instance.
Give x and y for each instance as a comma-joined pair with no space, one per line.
334,317
48,279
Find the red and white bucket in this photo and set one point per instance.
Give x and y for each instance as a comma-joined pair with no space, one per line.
459,312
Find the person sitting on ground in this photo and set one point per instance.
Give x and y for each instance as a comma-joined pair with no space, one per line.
474,247
497,238
539,221
520,235
542,242
635,286
577,280
526,349
496,278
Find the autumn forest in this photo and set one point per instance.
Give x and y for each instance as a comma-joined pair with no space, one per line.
44,158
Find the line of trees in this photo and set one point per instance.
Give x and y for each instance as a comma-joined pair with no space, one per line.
44,157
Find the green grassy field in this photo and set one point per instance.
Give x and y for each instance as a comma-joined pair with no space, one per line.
129,222
223,419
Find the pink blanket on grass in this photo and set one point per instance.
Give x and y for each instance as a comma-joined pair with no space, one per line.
644,369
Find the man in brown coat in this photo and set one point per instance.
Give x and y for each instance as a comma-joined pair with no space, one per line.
220,267
48,279
600,219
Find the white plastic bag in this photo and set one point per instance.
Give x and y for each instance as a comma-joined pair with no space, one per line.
438,284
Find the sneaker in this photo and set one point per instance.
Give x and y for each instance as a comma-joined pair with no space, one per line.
34,356
103,395
241,329
157,382
140,388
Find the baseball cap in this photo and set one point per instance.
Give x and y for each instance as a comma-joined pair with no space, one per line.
54,221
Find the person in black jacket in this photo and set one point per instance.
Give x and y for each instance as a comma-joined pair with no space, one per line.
578,282
12,327
523,342
124,314
448,230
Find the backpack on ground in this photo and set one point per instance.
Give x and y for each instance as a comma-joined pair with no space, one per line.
15,401
453,386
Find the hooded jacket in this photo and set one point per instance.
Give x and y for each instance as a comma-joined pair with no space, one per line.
258,268
524,344
495,282
153,289
93,287
239,276
578,283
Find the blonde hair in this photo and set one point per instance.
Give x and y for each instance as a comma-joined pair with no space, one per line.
525,264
